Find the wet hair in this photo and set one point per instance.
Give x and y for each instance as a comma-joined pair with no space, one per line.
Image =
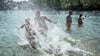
37,12
27,21
70,11
81,15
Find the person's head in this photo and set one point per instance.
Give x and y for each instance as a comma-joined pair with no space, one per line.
70,12
80,15
37,13
27,21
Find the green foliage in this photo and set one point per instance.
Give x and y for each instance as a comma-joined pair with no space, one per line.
76,3
3,5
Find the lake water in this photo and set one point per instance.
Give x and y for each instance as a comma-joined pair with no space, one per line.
88,34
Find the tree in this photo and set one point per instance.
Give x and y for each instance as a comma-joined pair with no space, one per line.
49,3
3,5
80,5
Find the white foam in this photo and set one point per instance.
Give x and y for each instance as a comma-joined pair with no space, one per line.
55,44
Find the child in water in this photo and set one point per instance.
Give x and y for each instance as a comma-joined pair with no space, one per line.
80,22
41,22
69,20
30,33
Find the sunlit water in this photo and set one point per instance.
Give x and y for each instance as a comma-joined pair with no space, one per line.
59,42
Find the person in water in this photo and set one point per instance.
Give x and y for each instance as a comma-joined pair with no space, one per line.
29,32
69,20
80,22
41,23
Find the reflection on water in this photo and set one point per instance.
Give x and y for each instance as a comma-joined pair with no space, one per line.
10,21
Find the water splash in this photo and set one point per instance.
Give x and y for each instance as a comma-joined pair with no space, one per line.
57,43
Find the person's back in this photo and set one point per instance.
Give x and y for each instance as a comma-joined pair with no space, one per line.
69,20
80,22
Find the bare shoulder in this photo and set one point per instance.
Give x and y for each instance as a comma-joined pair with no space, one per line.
67,16
44,17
